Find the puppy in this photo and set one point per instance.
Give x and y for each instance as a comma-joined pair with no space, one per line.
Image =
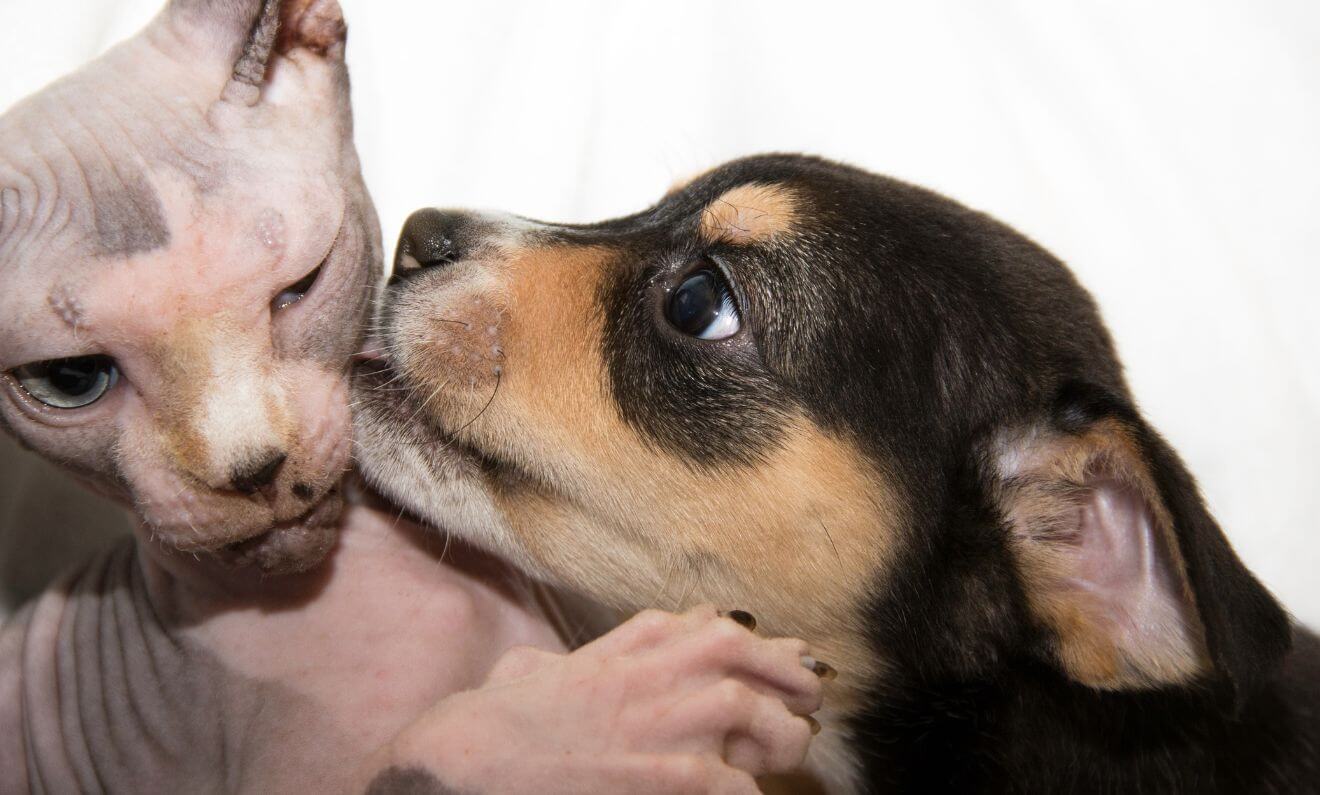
889,425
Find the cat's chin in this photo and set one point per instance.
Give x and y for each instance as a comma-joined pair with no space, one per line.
290,547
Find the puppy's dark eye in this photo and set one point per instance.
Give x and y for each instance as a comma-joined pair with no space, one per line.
294,293
702,306
68,383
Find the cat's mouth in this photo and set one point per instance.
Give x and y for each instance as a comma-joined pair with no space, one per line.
292,546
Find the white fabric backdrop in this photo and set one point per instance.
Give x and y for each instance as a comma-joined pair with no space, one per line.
1169,152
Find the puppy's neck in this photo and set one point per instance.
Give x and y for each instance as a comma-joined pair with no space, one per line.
1030,730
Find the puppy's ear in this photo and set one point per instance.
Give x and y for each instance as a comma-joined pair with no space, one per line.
1125,569
247,34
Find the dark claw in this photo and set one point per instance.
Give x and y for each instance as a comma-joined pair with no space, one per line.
821,669
742,617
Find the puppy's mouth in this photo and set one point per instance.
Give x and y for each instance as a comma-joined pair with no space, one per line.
292,546
417,462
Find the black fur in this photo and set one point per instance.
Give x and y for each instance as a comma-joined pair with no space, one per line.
408,781
917,328
127,216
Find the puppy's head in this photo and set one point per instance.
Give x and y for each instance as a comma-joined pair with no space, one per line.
187,251
875,418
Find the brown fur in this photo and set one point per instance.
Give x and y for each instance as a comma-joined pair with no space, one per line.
878,420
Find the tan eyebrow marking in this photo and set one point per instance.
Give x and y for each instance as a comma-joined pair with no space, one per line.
747,214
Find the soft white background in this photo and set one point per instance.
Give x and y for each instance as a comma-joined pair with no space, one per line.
1168,151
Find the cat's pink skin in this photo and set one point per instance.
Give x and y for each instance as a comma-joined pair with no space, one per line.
153,206
157,227
131,678
145,217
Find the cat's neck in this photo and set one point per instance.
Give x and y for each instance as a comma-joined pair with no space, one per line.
188,676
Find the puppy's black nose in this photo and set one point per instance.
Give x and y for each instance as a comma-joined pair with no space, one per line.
260,471
430,238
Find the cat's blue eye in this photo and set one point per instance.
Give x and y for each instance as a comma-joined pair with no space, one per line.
68,383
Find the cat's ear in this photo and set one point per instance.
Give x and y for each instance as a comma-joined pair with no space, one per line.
248,34
1124,568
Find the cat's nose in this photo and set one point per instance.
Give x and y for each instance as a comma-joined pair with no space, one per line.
258,472
432,238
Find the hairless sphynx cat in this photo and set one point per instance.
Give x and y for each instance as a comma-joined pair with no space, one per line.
187,253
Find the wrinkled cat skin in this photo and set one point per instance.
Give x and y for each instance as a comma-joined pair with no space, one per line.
186,253
174,230
152,208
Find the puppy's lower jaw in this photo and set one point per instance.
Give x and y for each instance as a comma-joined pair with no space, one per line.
439,481
290,547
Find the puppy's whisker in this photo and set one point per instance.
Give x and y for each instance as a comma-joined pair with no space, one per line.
830,538
445,549
494,392
664,586
388,386
692,586
422,405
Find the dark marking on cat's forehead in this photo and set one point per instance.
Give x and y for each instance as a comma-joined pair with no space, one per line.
127,216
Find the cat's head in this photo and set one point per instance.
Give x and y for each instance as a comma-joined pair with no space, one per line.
187,252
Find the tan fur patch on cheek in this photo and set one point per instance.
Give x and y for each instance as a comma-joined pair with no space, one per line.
800,541
553,397
749,214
